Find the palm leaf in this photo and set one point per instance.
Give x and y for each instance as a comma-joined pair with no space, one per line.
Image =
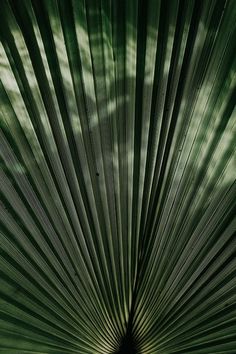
117,180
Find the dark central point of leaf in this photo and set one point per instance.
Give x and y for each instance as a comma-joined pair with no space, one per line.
128,345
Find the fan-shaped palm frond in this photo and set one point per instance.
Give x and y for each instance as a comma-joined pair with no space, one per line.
117,181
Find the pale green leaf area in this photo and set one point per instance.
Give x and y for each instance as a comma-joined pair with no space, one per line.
117,176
